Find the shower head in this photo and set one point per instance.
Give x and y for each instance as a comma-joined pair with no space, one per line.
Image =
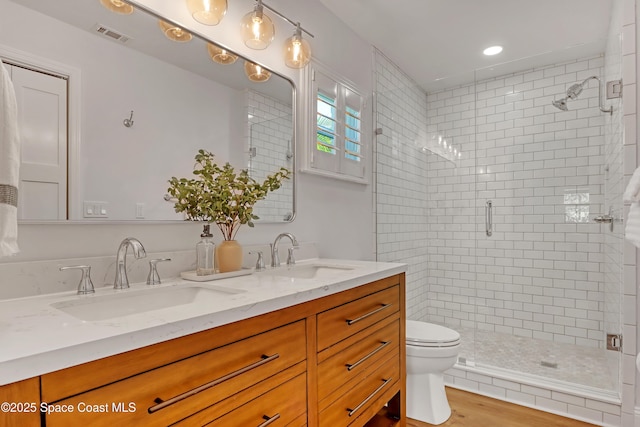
574,91
561,104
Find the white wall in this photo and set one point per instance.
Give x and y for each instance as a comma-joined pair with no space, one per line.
336,215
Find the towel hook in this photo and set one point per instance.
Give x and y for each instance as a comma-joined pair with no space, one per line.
128,122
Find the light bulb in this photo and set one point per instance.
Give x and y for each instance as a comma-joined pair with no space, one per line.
207,12
255,72
173,32
297,52
117,6
220,55
257,29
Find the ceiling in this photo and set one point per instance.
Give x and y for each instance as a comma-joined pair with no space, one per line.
439,43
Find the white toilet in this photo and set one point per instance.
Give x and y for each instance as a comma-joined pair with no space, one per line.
431,350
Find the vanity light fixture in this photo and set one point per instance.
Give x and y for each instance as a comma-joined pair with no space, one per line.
297,52
207,12
117,6
493,50
258,31
173,32
255,72
221,55
257,28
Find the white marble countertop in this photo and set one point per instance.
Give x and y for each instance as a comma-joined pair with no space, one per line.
37,338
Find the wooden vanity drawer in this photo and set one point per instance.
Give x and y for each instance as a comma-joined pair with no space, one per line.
348,319
339,365
285,405
363,396
173,392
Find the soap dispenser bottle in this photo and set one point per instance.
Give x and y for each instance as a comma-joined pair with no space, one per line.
205,249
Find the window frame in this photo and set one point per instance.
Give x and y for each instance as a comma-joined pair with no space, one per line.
320,162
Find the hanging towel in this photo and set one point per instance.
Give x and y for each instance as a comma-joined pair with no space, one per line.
9,165
632,229
632,192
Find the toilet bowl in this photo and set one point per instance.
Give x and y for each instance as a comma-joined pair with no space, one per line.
431,350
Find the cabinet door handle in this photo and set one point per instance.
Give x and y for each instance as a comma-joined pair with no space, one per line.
377,349
371,313
269,420
364,402
160,404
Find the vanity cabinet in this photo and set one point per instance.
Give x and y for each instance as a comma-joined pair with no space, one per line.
334,361
20,402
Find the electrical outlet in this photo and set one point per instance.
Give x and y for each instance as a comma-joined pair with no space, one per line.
94,209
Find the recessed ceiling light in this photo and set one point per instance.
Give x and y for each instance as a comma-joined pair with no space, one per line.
493,50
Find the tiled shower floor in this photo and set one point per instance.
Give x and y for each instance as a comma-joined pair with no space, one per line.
571,363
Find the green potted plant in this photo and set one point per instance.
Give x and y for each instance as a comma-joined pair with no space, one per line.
221,196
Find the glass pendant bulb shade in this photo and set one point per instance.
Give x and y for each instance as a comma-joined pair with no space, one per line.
117,6
220,55
173,32
255,72
257,29
207,12
297,52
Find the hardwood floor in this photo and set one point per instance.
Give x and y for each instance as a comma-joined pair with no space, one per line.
473,410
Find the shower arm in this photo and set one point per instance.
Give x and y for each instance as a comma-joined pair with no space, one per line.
600,104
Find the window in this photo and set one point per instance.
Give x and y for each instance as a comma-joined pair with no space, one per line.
336,130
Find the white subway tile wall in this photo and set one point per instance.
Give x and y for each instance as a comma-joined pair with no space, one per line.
269,132
401,179
540,273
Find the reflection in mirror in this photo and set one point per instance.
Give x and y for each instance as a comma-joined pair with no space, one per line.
139,108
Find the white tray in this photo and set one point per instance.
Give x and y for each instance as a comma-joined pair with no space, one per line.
191,275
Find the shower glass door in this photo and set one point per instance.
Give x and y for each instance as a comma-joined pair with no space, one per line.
544,264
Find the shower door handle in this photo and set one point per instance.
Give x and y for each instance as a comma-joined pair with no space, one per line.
606,218
488,217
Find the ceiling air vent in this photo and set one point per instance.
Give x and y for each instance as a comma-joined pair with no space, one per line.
111,34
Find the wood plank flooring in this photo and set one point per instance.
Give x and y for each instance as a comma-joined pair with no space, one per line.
473,410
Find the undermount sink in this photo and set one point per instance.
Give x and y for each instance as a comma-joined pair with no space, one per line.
309,271
124,303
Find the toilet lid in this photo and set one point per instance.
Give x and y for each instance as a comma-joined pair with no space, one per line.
425,334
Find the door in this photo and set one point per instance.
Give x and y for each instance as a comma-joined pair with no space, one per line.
42,120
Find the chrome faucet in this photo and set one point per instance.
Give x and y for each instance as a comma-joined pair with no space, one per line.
275,257
121,281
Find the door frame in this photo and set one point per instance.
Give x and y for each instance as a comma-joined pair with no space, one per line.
74,84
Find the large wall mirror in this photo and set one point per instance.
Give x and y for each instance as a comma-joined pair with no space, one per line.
112,109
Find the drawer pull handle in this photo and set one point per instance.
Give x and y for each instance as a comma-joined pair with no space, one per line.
371,313
269,420
377,349
364,402
164,403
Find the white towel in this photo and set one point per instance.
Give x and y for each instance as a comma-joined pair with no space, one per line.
9,165
632,228
632,192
